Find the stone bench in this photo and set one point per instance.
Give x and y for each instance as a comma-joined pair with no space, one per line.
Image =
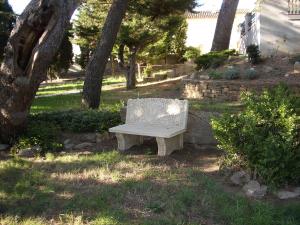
164,119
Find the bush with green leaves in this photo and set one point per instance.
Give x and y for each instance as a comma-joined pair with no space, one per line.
80,121
213,59
215,75
265,136
251,74
231,74
41,137
148,70
253,53
192,53
44,130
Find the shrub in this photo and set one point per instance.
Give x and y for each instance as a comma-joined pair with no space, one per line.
43,133
41,137
265,136
80,121
192,53
213,59
253,54
231,74
148,70
215,75
251,74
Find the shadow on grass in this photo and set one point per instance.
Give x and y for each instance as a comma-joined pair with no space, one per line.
112,188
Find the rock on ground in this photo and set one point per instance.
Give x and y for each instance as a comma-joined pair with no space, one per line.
240,178
89,137
69,146
254,189
26,153
287,194
67,141
84,145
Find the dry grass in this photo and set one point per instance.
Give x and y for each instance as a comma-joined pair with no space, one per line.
134,188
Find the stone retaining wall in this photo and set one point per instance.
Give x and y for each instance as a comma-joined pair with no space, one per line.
230,90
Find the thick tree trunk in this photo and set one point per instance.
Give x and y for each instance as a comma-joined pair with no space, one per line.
224,25
131,68
33,43
96,66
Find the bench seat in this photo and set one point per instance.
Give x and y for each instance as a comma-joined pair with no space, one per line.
164,119
150,130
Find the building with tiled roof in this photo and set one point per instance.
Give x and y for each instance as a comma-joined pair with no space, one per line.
201,29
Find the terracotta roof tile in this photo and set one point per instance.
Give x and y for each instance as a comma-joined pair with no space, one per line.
210,14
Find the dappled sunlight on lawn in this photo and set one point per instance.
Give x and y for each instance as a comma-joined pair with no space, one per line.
115,188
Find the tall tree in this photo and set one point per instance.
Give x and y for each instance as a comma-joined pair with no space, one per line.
224,25
33,43
138,32
150,8
7,20
97,64
87,27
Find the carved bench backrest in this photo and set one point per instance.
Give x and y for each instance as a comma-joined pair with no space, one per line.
159,111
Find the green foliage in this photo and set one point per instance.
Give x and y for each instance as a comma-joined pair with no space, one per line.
215,75
153,28
80,121
192,53
253,54
63,59
231,73
213,59
43,133
41,137
148,70
7,18
251,74
265,136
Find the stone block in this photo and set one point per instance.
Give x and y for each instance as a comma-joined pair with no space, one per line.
199,130
297,67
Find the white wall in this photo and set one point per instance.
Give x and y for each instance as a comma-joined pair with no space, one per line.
201,32
278,34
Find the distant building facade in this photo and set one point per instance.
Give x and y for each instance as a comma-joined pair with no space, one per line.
202,25
273,25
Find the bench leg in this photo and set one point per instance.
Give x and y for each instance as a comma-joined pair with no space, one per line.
167,145
126,141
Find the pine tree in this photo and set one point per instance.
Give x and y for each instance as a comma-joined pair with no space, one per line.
153,10
224,25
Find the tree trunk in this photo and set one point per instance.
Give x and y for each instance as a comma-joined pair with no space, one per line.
96,66
224,25
33,43
121,56
131,68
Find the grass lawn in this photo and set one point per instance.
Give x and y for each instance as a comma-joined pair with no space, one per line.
137,188
56,89
115,96
112,188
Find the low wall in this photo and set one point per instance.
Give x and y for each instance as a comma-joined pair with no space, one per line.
230,90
